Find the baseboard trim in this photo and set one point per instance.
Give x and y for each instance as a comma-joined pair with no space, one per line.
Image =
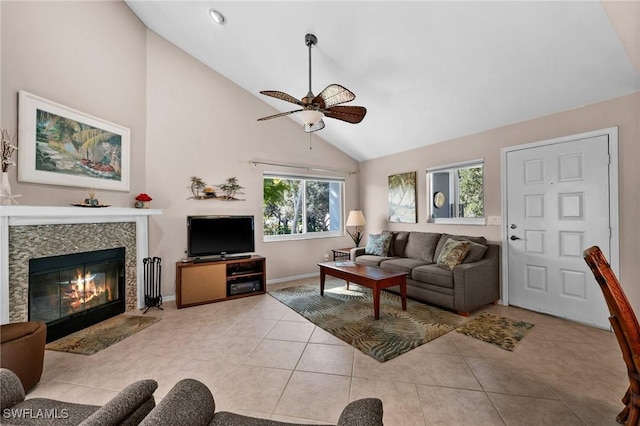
295,277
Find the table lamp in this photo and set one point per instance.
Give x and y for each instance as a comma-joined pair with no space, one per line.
356,218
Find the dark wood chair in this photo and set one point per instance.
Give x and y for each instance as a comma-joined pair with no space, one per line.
625,326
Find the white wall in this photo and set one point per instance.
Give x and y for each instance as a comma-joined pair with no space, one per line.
623,112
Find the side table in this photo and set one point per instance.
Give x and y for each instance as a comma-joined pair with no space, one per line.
341,253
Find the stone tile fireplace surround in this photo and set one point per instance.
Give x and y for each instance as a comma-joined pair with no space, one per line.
28,232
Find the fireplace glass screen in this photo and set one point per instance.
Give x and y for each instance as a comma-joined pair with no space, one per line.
69,291
76,286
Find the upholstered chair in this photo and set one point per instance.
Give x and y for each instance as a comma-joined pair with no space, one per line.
22,350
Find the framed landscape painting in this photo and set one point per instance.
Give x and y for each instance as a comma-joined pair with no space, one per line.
402,198
58,145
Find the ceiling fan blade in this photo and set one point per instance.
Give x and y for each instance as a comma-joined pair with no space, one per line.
334,94
282,114
283,96
318,126
350,114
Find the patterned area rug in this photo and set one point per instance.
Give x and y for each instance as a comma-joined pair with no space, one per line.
348,315
502,332
102,335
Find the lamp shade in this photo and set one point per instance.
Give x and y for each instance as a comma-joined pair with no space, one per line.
356,218
310,116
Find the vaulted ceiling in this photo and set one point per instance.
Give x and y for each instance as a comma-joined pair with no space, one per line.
426,71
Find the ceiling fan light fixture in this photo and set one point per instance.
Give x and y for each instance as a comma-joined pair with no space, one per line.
217,17
310,116
327,104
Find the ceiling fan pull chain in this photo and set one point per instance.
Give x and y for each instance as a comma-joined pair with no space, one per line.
310,147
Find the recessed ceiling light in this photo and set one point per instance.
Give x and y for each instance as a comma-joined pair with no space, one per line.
217,17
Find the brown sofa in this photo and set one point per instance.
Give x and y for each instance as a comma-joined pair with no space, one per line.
22,350
469,285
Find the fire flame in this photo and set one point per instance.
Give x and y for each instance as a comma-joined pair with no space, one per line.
83,289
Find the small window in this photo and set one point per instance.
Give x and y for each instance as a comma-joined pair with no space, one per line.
455,193
298,207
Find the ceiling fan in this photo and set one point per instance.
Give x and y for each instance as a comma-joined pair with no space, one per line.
326,104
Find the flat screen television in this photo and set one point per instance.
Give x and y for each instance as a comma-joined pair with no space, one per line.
219,236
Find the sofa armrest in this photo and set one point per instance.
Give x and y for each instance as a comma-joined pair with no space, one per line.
128,407
11,390
189,402
478,283
362,412
355,252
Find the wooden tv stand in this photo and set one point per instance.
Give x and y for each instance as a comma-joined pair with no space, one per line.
215,281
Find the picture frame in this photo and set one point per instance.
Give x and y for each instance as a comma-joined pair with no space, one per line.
58,145
402,198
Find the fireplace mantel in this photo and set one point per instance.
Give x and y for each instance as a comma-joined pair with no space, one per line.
53,215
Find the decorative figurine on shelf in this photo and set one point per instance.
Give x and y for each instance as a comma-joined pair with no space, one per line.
197,185
7,147
209,192
231,188
143,201
92,200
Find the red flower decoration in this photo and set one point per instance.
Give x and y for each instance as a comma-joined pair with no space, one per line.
143,197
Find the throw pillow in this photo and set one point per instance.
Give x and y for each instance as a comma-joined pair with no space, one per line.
453,253
476,252
378,244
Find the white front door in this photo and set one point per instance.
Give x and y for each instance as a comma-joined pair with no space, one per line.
558,205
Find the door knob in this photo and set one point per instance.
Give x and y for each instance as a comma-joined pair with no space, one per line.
513,238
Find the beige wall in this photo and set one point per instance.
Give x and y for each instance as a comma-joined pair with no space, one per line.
89,56
201,124
622,112
185,120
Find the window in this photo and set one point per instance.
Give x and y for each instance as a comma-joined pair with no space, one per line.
297,207
455,193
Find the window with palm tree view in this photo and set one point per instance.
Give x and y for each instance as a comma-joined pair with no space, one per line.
301,207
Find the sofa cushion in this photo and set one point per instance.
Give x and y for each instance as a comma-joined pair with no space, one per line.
403,264
453,253
433,274
422,246
398,242
378,244
446,237
476,252
371,260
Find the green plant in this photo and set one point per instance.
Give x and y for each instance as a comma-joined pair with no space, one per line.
197,185
231,188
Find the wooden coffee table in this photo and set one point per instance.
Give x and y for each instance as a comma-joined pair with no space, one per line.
369,276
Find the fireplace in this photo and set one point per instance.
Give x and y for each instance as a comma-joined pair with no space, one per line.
74,291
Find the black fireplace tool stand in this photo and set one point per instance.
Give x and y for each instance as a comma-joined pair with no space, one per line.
152,283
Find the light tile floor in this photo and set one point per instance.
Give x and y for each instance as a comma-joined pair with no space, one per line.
260,358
